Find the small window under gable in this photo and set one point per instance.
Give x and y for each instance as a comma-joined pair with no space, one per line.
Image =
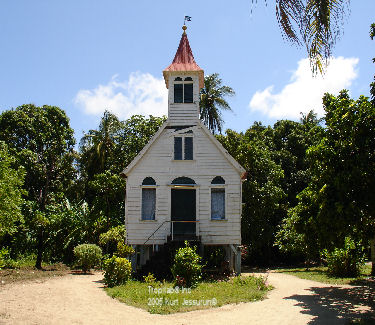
178,148
188,148
183,147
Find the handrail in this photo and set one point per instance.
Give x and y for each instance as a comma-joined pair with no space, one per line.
155,231
171,221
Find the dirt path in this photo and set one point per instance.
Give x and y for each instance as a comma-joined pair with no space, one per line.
79,299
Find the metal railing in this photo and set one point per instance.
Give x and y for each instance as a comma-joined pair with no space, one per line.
172,222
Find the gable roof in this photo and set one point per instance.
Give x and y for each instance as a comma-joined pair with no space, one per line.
225,153
184,61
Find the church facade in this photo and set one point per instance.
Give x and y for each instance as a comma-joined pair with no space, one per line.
184,185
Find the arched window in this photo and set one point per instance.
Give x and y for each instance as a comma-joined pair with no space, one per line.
183,181
183,90
218,198
218,180
148,181
148,198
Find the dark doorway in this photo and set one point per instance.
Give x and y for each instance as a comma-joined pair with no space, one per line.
183,209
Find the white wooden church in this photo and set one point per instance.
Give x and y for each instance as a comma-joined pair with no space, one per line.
184,185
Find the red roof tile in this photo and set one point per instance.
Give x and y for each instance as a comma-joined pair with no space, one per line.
184,61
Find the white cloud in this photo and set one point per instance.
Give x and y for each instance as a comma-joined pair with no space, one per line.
304,92
141,94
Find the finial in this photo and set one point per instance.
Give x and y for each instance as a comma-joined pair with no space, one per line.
184,28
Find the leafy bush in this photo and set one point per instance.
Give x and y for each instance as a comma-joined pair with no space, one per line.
151,280
187,269
347,261
4,256
110,239
115,234
260,282
214,256
124,250
87,256
117,271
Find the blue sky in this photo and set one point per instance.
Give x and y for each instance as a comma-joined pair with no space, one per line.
88,55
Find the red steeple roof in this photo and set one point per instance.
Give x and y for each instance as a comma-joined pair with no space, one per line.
184,60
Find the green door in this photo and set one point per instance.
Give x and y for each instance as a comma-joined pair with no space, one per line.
183,209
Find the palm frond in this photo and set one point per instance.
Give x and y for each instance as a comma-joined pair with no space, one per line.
317,24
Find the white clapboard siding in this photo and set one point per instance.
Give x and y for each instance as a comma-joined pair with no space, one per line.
208,162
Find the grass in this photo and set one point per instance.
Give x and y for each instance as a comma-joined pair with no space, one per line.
160,299
23,270
320,274
362,322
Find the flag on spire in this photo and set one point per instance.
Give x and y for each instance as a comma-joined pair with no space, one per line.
187,18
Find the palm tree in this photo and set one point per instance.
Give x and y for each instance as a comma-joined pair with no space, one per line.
212,100
97,146
315,23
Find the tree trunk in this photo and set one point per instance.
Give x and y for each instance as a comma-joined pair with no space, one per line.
372,245
38,263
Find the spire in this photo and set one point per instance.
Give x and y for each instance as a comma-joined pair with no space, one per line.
184,60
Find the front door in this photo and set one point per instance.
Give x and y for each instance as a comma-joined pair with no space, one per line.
183,209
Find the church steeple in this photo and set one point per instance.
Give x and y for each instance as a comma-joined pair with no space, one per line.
184,61
184,79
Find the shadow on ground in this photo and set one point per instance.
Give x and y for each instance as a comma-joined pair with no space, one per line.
339,305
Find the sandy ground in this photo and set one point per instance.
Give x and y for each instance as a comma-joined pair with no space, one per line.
79,299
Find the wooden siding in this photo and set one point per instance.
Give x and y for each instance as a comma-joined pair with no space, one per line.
208,162
181,113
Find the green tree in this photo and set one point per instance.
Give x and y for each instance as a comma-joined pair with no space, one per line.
372,92
108,204
339,201
42,141
372,85
11,181
212,101
289,143
104,154
97,146
262,190
70,224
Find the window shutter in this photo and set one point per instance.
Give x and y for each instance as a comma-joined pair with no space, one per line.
188,148
188,93
177,148
178,94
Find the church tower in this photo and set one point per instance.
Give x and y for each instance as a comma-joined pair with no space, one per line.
184,80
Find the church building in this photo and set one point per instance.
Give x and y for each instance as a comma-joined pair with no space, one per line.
184,185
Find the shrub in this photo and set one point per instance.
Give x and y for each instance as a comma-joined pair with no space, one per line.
87,256
117,271
244,252
347,261
151,280
214,256
124,250
187,268
111,238
4,257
